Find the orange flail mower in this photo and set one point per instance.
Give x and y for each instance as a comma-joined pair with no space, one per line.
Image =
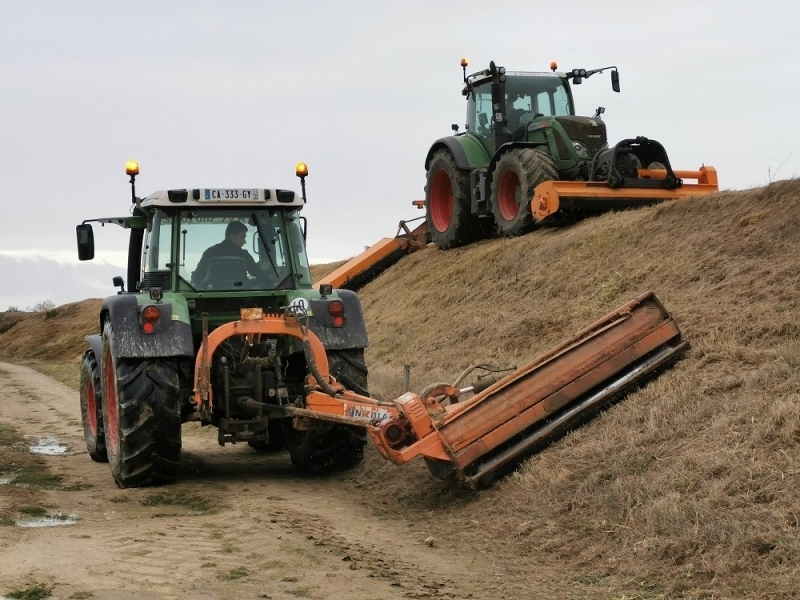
482,437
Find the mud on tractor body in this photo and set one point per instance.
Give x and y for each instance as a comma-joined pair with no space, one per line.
138,376
526,158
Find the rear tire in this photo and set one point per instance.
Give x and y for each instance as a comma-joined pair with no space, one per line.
447,204
516,175
337,448
91,408
141,417
349,369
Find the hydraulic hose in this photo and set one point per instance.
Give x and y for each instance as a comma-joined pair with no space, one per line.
302,320
312,366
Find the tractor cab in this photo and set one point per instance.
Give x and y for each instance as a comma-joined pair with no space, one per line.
207,240
527,96
224,248
520,106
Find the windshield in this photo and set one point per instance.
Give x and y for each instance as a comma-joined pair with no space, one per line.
231,249
526,95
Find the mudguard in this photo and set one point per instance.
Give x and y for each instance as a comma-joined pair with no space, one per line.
96,344
354,332
467,151
171,337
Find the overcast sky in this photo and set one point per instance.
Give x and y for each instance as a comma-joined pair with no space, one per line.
233,94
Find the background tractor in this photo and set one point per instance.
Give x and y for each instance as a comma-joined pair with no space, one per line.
138,376
522,131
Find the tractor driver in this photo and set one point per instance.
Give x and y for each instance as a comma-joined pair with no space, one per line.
513,113
230,247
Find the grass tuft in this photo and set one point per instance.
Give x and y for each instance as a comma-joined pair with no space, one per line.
35,592
233,574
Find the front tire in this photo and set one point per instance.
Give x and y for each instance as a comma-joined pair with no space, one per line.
516,175
447,203
337,448
141,417
91,408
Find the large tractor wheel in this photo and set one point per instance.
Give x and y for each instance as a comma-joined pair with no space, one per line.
349,369
334,449
516,175
91,411
447,204
141,416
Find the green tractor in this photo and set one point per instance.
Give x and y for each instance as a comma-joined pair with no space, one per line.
521,131
138,375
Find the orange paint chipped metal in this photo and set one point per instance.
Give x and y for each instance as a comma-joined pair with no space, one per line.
251,314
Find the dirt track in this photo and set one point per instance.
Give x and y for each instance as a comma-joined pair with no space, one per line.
236,525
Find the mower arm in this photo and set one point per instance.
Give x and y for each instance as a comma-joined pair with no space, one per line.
361,269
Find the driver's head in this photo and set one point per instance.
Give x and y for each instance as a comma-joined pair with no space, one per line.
236,233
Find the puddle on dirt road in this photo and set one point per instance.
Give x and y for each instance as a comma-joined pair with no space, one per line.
52,521
48,446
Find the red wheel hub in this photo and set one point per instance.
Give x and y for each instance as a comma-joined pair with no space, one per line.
110,405
508,197
441,201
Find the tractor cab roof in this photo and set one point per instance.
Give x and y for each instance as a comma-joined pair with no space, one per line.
485,76
224,197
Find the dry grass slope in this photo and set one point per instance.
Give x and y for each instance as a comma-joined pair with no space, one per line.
689,488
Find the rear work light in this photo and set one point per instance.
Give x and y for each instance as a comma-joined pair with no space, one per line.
336,310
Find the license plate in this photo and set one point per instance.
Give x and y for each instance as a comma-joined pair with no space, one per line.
224,194
366,412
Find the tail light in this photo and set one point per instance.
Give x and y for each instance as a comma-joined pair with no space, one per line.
150,314
336,310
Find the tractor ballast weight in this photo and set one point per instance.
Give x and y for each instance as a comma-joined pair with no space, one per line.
487,176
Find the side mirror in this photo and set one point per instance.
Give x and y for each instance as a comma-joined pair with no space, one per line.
85,241
615,80
120,283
